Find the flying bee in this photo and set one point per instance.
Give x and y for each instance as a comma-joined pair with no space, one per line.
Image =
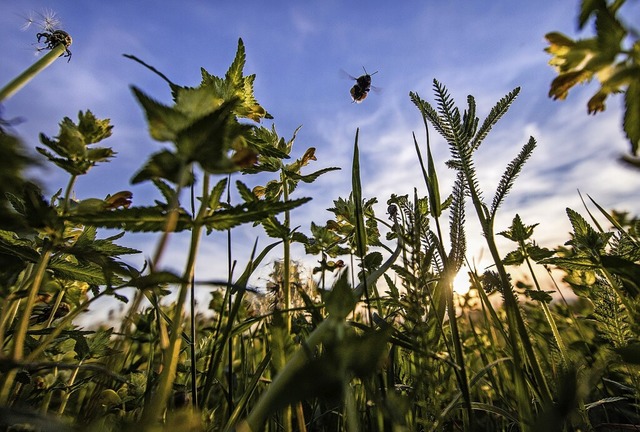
361,88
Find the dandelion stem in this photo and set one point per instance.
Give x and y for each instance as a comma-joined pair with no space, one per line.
26,76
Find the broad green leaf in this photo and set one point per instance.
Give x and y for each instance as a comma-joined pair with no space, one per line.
249,212
631,122
164,165
133,219
164,122
341,300
87,272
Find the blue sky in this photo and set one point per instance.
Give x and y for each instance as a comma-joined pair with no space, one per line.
297,50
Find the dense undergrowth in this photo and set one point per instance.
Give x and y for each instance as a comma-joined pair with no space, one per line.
387,345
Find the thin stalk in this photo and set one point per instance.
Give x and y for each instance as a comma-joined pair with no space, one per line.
170,357
230,402
547,313
20,333
65,393
287,413
21,80
23,325
194,372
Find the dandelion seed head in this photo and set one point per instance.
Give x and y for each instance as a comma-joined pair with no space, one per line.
28,21
50,20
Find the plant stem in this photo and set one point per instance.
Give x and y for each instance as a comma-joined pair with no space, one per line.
170,356
21,80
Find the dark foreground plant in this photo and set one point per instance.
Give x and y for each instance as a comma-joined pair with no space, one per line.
387,346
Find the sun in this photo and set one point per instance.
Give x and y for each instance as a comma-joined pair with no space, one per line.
461,283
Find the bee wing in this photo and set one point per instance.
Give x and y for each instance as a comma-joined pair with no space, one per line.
378,90
347,75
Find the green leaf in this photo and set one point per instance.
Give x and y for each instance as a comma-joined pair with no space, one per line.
155,279
216,194
164,122
341,300
72,143
274,228
133,219
92,129
631,122
11,244
249,212
518,231
164,165
626,270
86,272
513,258
541,296
310,178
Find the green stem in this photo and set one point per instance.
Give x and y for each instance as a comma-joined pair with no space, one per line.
23,324
170,356
547,313
26,76
287,413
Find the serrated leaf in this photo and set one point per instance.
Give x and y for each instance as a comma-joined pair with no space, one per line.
196,103
155,279
573,263
164,122
341,300
631,122
93,129
310,178
245,193
216,194
133,219
249,212
274,228
234,74
541,296
513,258
86,272
164,165
11,245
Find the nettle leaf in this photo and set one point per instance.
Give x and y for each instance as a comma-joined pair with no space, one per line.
627,271
537,253
87,272
631,122
341,300
541,296
12,245
274,228
249,212
164,122
216,194
197,102
245,193
72,143
310,178
581,263
164,165
155,279
518,231
133,219
514,258
93,129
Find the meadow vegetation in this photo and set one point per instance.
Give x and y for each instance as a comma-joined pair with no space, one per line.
376,340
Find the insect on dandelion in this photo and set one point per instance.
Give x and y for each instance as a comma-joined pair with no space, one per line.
51,35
